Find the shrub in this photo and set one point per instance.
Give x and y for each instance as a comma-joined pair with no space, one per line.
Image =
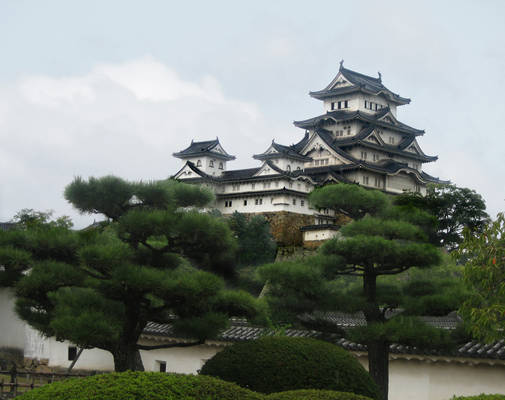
141,386
278,364
315,395
481,397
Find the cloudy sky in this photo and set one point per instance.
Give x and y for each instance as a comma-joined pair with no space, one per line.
89,88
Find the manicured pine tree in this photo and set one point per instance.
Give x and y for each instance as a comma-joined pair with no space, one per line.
156,257
382,240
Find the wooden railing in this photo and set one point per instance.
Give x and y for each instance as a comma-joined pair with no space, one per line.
14,382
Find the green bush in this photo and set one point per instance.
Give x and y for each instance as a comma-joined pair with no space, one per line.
481,397
313,394
278,364
141,386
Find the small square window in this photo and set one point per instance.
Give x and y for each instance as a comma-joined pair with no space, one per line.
162,366
294,202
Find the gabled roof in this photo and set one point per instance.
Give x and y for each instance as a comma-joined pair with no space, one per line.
359,82
377,119
361,139
209,147
275,150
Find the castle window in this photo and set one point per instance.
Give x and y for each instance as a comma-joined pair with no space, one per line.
332,105
211,163
363,155
376,157
266,185
298,168
291,185
221,165
339,105
366,104
288,168
346,104
162,366
365,180
302,202
258,201
199,163
235,187
316,162
294,202
245,202
253,186
391,140
377,182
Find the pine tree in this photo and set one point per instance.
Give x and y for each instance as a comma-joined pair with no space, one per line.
382,240
156,257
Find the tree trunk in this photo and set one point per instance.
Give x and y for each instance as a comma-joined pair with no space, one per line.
378,349
125,357
378,365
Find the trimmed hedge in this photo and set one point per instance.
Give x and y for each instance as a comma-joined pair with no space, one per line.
141,386
481,397
314,394
278,364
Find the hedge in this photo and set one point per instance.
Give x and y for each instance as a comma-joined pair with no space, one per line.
278,364
315,395
481,397
141,386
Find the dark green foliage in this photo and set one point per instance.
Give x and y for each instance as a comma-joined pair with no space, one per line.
353,200
255,241
382,241
315,395
484,273
156,259
454,209
276,364
141,386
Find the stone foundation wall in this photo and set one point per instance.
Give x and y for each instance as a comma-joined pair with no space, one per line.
286,226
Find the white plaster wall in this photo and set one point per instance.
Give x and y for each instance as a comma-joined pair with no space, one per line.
319,235
205,160
273,203
11,327
183,360
421,380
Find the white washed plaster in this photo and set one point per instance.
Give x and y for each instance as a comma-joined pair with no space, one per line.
322,234
11,327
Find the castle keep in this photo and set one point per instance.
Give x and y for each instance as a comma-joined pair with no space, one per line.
357,139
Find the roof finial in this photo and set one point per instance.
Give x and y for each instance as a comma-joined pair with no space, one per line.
380,76
341,63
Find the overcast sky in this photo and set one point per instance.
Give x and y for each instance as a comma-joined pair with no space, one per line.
89,88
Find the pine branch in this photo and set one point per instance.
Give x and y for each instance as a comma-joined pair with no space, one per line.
169,345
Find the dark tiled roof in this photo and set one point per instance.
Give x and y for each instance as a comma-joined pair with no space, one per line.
374,119
203,148
360,82
240,331
287,151
239,174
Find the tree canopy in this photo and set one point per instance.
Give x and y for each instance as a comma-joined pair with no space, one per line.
157,257
382,240
484,272
454,209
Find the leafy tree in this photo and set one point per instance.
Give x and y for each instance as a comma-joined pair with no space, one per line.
381,241
157,259
255,241
484,272
454,208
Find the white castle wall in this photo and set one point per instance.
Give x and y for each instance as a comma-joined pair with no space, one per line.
11,327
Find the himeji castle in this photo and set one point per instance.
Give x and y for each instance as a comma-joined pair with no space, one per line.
358,139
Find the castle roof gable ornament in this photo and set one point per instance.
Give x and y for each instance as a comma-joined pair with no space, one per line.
341,63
